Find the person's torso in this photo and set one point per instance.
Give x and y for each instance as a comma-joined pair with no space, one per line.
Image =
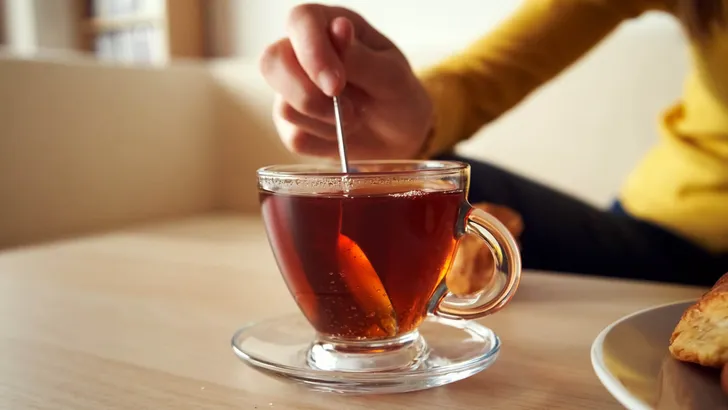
682,184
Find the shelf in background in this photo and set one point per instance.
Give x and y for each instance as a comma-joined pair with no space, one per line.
143,31
104,24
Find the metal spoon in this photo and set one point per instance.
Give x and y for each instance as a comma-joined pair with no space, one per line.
361,278
340,137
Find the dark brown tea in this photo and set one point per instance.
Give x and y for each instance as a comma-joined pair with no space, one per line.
364,265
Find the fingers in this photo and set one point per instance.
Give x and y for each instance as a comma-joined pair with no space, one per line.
329,47
302,142
284,111
308,144
331,51
334,46
308,136
284,74
308,29
303,134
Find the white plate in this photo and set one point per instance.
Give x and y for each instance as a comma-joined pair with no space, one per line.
631,359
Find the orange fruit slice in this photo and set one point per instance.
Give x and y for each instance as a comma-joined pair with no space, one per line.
364,283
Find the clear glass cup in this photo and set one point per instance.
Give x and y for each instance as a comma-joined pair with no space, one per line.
365,255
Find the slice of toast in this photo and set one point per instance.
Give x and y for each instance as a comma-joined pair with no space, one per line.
701,336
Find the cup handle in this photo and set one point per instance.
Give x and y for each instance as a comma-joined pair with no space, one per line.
507,260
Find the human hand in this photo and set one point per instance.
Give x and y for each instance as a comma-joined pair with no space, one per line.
473,267
333,51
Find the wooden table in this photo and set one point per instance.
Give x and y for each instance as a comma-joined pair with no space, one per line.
142,319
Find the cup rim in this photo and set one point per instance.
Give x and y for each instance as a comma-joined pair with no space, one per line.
432,167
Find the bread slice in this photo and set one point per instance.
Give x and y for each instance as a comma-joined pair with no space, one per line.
473,267
701,336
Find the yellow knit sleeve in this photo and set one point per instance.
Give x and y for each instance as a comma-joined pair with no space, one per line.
542,38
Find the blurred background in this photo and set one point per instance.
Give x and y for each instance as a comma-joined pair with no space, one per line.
115,111
157,31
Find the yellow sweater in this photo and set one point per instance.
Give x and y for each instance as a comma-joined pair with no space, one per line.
682,184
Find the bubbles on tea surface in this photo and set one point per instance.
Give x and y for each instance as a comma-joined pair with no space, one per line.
408,194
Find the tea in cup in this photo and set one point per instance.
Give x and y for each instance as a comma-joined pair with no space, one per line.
366,254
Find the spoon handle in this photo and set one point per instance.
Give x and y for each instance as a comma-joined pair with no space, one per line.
340,137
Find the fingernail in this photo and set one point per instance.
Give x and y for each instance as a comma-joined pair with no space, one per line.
328,81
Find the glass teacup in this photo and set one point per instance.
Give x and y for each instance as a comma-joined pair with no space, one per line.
365,255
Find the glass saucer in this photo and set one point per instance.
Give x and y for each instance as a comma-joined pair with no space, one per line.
454,350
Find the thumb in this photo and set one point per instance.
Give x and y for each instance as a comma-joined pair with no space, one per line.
342,34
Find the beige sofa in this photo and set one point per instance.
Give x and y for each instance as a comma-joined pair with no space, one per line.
86,146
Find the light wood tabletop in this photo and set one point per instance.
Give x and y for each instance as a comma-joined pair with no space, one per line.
142,318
